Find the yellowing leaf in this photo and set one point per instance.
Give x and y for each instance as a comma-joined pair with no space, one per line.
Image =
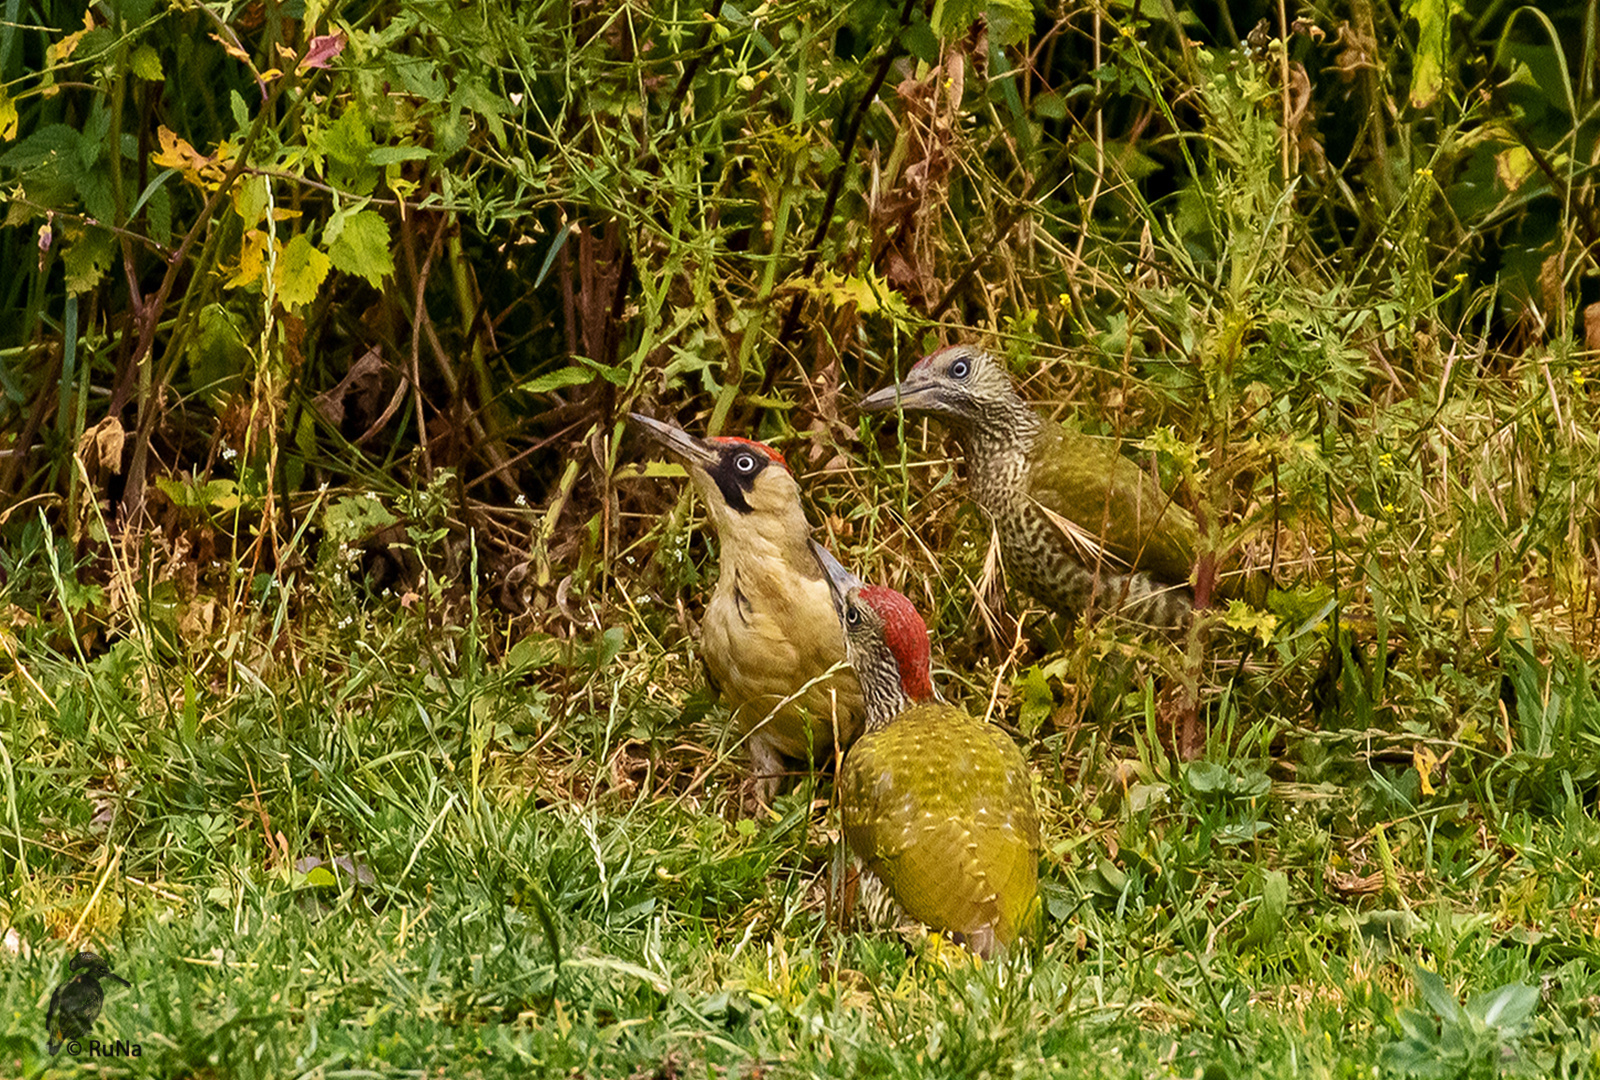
8,117
1425,763
175,153
1513,165
87,257
63,49
300,272
250,200
233,50
1433,43
252,259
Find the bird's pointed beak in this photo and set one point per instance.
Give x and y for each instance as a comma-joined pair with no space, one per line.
119,978
905,396
677,441
840,580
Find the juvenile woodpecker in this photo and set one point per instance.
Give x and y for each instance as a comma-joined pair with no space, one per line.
769,636
936,803
1079,524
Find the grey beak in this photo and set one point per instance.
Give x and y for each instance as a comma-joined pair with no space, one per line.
880,400
840,580
677,441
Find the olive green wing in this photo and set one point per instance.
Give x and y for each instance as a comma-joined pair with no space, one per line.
1114,502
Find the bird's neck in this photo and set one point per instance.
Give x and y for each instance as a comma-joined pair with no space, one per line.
998,444
883,707
764,554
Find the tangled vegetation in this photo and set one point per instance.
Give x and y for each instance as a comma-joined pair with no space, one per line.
349,697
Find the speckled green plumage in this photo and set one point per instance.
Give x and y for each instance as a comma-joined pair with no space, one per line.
940,806
1087,481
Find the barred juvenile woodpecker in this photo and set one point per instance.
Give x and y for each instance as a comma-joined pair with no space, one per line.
1080,525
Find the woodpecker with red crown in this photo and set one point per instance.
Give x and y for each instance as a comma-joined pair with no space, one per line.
1080,525
770,637
937,803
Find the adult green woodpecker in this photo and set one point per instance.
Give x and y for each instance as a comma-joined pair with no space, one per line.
936,803
1080,525
770,638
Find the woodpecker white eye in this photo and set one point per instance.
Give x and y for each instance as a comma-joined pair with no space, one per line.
959,369
745,463
851,615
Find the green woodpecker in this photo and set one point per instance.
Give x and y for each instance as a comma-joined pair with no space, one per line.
937,803
769,637
1080,525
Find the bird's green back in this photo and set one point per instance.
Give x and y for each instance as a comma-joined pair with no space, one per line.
1090,484
940,806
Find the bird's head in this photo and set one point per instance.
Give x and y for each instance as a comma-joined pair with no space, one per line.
739,479
90,964
885,638
962,385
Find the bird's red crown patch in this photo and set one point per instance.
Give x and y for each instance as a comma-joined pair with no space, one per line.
907,637
927,361
752,444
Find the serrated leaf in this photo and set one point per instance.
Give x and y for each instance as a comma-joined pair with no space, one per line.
146,63
86,259
47,144
360,246
158,212
1009,21
300,272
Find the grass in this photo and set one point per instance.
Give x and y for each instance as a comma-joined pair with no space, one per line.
364,842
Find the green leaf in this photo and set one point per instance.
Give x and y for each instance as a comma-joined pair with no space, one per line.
146,63
158,211
87,258
358,244
1438,995
43,146
1505,1006
300,272
558,379
1433,42
392,155
531,653
321,877
1037,701
1207,778
1009,21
